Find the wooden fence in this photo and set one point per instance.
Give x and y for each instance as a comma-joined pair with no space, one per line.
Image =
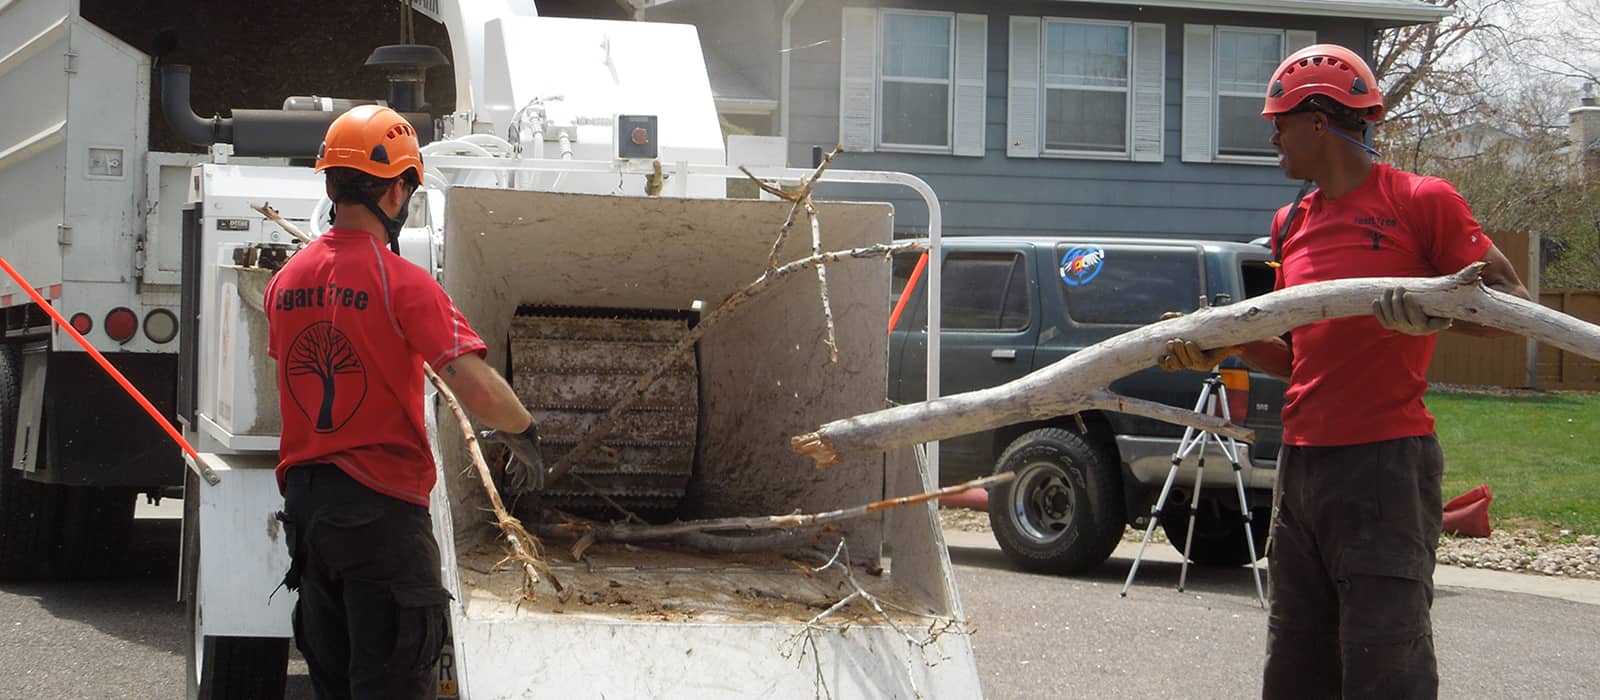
1460,359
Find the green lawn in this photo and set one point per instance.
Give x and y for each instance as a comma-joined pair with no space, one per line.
1539,454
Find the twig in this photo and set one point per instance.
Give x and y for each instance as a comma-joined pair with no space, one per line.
602,428
832,340
656,533
273,216
806,637
806,186
525,548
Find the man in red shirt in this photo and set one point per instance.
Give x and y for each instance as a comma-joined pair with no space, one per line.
350,323
1358,510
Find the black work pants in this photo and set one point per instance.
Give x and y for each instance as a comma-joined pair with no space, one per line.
1351,569
370,620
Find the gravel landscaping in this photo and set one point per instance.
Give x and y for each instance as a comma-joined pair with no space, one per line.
1525,551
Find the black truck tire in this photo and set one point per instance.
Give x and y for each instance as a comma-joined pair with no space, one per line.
28,510
1063,513
1219,538
224,668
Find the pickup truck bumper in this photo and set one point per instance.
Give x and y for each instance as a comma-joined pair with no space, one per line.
1149,459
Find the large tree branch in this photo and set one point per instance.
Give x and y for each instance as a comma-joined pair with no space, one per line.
1078,382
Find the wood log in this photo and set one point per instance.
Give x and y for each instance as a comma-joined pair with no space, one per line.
1078,382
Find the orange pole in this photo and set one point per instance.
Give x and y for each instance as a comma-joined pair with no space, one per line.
104,363
905,294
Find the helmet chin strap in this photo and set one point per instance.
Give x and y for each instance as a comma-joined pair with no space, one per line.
1364,146
391,226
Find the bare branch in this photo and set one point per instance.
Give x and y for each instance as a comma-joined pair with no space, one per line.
525,548
1078,381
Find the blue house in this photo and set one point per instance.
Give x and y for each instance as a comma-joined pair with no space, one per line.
1117,117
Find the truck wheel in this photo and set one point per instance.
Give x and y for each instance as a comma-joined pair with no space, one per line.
27,509
1218,537
1063,513
224,667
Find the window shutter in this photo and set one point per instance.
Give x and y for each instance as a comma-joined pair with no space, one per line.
1022,95
1296,39
858,80
971,88
1149,92
1199,95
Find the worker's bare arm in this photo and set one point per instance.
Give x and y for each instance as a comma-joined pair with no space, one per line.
485,394
1271,356
1499,275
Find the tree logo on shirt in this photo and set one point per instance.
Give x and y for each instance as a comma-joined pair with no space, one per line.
326,377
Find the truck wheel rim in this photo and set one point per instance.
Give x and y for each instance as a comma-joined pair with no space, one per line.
1042,502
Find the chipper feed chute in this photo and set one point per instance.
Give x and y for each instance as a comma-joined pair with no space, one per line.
585,288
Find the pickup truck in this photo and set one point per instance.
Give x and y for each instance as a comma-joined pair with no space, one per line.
1012,305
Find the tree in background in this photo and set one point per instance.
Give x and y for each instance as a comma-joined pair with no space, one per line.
1481,98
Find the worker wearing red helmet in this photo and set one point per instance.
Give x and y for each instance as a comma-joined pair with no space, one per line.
350,324
1358,510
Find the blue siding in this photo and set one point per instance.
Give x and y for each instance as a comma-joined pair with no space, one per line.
1000,195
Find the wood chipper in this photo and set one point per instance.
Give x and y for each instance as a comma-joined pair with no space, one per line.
584,230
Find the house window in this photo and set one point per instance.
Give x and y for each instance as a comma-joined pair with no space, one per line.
1225,76
1086,77
1245,61
916,79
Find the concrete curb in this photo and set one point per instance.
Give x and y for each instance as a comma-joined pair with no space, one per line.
1576,590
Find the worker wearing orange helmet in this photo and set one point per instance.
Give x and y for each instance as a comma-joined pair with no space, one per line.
350,322
1358,511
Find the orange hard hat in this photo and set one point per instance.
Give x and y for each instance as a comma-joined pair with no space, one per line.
1324,69
372,139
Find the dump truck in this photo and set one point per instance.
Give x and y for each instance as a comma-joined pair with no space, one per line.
575,207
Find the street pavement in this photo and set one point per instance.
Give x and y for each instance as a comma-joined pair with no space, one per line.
1051,637
1036,636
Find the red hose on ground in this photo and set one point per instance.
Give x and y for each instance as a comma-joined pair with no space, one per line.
905,294
104,363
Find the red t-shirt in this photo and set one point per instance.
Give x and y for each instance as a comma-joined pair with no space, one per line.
1353,381
350,323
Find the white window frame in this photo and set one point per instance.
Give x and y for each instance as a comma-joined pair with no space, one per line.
1045,86
1217,93
949,83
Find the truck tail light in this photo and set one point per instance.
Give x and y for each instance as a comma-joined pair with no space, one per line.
1238,383
121,324
160,326
82,323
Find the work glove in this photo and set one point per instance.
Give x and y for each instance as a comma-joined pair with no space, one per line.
525,473
1398,311
1186,354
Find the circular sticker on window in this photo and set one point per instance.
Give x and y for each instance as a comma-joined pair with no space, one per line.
1081,265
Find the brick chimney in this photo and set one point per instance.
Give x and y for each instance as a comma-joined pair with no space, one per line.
1584,128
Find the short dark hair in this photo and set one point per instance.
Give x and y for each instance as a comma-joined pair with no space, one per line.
353,186
1345,118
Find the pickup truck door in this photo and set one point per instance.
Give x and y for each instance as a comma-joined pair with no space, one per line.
990,322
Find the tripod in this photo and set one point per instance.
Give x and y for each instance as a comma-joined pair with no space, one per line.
1213,395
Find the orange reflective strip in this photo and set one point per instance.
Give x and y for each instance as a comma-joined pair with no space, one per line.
905,294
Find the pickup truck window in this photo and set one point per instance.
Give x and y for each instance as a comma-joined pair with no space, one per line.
985,292
1133,286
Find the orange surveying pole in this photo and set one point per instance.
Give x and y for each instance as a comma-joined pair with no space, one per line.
104,363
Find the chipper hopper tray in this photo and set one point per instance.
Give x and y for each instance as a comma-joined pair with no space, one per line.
578,295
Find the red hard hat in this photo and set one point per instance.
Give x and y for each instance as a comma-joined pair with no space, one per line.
375,140
1324,69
